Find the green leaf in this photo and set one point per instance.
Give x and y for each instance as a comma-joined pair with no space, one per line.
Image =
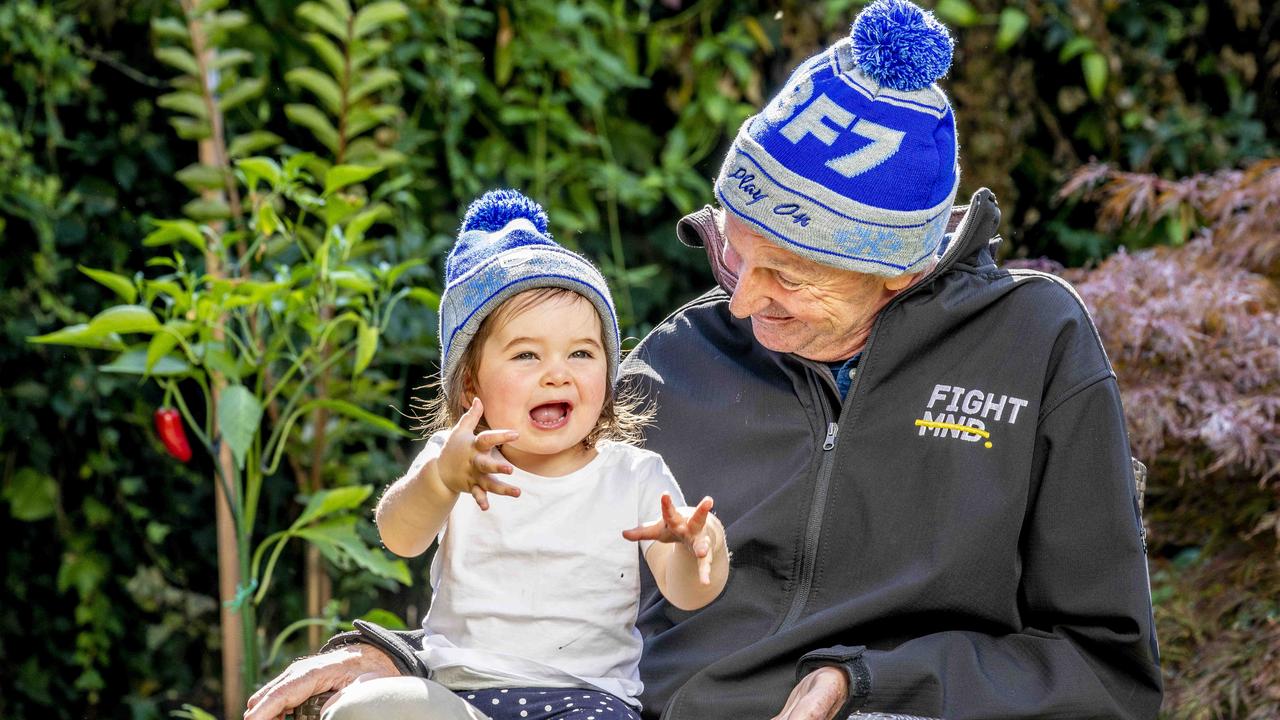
328,502
426,297
231,58
341,9
377,14
179,58
185,102
134,362
239,416
1013,22
340,176
338,208
310,117
366,346
170,29
260,168
160,346
252,142
118,284
171,231
241,93
1094,65
1075,46
80,335
339,537
207,209
189,128
320,85
957,12
198,176
394,273
215,357
228,20
83,571
371,82
32,495
124,319
384,618
361,120
361,223
353,281
267,220
342,407
328,52
323,18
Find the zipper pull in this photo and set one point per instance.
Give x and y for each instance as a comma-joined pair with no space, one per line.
830,442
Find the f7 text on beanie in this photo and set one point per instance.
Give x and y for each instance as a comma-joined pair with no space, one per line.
854,163
503,249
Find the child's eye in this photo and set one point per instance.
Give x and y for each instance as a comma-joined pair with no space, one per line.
526,355
586,354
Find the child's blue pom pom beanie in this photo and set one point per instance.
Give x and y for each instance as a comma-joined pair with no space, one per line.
504,249
853,164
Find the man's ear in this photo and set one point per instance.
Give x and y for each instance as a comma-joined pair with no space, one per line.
900,282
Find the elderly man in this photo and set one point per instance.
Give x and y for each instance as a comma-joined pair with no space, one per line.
920,459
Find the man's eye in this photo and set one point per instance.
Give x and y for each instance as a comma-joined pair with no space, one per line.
787,282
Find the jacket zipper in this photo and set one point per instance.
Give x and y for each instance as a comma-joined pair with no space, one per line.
817,512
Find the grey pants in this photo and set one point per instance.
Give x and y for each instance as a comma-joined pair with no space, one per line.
400,698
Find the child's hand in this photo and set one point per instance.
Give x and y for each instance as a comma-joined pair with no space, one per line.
468,461
687,526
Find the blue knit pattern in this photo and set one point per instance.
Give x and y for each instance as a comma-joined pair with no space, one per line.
493,210
502,250
901,46
853,163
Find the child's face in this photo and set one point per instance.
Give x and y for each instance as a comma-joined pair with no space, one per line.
543,373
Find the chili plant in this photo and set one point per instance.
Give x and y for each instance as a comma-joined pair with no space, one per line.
263,313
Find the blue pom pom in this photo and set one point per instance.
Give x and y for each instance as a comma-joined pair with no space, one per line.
493,210
901,46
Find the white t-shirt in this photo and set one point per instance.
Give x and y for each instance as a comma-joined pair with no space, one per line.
542,590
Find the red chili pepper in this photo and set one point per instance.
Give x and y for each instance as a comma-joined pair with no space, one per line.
172,434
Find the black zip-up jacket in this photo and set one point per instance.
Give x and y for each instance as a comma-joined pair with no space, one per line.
960,533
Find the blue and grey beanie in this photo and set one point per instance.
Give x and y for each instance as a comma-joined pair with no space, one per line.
503,249
854,163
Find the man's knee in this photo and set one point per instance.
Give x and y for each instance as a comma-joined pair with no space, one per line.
410,698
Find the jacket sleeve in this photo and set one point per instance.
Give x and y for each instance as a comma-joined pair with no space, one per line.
402,646
1087,647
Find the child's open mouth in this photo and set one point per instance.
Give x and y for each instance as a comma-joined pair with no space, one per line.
551,416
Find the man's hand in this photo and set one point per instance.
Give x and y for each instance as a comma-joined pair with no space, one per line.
818,696
687,526
469,461
309,676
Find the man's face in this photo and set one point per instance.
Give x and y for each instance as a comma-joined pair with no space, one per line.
797,305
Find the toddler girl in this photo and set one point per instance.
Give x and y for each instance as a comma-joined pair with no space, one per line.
536,580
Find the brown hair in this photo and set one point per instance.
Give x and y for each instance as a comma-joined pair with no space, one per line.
622,417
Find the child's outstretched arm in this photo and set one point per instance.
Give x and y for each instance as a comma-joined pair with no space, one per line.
690,560
415,507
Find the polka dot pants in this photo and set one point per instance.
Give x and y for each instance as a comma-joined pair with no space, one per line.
554,704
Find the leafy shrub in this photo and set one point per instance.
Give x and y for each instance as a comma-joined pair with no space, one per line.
1194,335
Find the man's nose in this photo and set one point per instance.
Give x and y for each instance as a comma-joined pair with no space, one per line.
748,296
